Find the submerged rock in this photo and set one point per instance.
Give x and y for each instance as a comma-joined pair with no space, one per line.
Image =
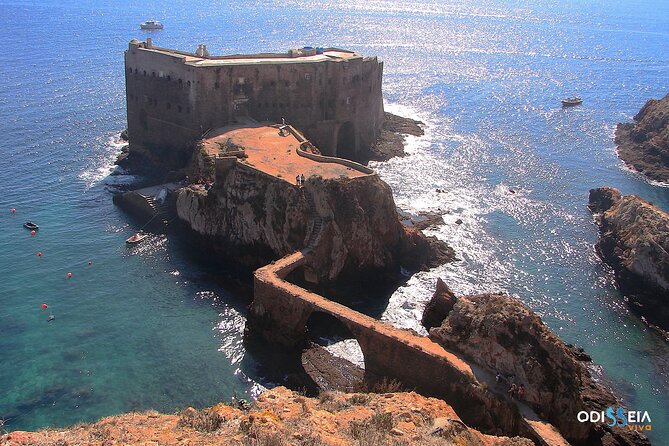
634,241
644,144
499,333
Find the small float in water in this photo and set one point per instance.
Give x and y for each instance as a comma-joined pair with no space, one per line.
151,25
30,225
569,102
136,238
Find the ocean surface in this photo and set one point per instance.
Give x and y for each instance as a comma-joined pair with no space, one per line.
159,327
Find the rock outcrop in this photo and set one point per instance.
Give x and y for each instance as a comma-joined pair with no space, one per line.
644,144
390,142
281,417
502,335
439,306
351,224
634,241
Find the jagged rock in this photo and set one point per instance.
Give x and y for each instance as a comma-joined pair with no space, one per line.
439,306
644,144
256,218
634,241
390,142
499,333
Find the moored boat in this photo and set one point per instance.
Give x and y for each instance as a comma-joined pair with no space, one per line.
568,102
30,225
151,24
136,238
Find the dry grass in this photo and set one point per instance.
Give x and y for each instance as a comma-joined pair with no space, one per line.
204,420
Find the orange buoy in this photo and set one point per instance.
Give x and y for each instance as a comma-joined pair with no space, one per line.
32,233
69,275
44,306
39,254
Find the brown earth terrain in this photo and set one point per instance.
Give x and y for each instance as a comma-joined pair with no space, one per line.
282,417
644,144
634,241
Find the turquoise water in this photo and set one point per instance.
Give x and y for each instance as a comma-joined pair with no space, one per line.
151,328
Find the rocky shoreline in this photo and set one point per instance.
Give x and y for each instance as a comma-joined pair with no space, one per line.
634,241
644,144
499,333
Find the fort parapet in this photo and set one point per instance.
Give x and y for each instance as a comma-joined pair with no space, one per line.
173,97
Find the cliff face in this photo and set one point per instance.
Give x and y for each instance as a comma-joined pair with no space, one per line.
634,241
281,417
499,333
644,144
351,224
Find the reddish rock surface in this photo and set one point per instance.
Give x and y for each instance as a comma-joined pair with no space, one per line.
282,417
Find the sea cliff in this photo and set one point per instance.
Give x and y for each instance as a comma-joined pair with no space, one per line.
499,333
282,417
634,241
644,144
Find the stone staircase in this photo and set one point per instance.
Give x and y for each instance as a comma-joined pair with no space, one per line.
316,221
160,210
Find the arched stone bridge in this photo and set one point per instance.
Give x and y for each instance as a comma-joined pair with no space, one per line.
279,314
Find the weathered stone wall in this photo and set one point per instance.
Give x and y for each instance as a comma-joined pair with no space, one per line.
171,103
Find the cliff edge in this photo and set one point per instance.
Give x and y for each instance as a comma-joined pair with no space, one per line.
644,144
502,335
634,241
281,417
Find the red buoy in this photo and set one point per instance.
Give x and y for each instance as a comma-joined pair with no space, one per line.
32,233
13,211
69,275
44,306
39,254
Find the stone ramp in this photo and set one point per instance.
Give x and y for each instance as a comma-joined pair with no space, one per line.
284,307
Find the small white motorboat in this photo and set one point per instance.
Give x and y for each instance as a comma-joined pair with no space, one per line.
136,238
151,25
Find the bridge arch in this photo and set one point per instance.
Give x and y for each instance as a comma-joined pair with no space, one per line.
346,141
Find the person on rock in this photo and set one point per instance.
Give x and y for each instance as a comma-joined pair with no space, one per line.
521,392
302,179
512,390
297,180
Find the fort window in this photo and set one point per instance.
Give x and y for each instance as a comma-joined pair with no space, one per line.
274,104
181,82
287,84
272,83
188,110
144,72
240,80
216,85
153,74
135,70
348,100
188,84
129,70
169,78
266,104
168,105
179,109
307,76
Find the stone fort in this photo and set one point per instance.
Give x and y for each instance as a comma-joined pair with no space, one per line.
174,97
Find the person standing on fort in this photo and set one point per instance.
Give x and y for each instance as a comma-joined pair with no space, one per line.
521,392
302,179
297,179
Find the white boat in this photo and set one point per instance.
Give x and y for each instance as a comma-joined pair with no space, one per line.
151,24
136,238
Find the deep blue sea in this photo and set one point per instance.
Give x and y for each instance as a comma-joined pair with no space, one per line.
156,327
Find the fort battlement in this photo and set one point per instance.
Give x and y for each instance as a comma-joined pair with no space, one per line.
174,97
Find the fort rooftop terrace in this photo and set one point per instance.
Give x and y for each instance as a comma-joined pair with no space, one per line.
277,155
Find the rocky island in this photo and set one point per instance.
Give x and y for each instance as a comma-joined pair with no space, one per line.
644,144
262,153
634,241
499,333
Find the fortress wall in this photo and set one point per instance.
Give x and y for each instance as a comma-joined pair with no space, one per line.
171,105
161,101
